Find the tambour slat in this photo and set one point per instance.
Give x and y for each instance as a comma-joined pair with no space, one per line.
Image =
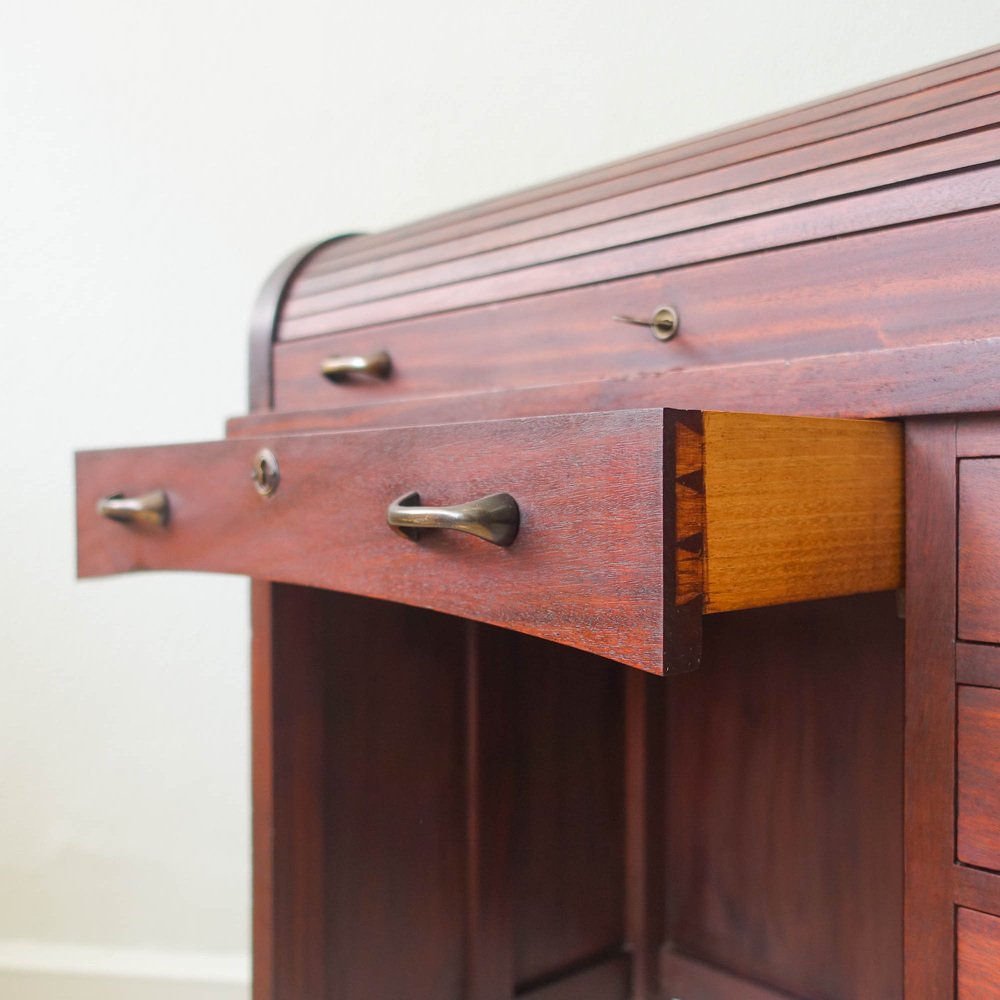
934,125
902,203
865,109
893,168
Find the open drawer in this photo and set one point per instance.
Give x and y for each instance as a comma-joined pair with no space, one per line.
616,531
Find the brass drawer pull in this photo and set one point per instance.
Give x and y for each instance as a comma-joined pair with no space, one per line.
150,508
341,367
495,518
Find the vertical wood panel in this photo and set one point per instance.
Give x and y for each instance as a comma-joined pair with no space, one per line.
930,708
785,799
394,796
490,753
645,806
288,817
568,872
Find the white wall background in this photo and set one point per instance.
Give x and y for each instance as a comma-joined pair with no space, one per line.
156,159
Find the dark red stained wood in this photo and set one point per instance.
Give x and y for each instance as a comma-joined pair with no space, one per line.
931,531
979,776
608,980
977,889
977,664
937,196
978,956
568,871
917,285
975,114
645,815
262,774
688,979
587,566
979,437
895,167
801,127
784,793
979,550
264,322
887,383
290,832
393,798
490,783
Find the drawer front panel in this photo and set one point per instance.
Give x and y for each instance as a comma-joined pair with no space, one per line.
586,568
862,293
979,776
979,550
978,955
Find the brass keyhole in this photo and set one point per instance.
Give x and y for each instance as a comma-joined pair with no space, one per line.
265,473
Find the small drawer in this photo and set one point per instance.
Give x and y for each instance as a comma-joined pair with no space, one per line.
856,294
978,955
627,526
979,549
979,776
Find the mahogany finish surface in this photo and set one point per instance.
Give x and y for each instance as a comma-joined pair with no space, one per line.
979,550
979,776
794,708
858,294
572,574
978,956
978,664
929,742
859,110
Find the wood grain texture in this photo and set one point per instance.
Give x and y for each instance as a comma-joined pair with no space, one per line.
860,112
289,824
645,830
979,436
978,955
914,144
887,383
586,568
686,978
567,876
979,776
786,509
784,804
976,888
653,222
977,664
979,550
799,509
927,283
890,206
929,777
490,782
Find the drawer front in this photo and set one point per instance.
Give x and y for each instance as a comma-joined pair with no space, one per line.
979,776
586,568
978,955
866,292
979,550
631,523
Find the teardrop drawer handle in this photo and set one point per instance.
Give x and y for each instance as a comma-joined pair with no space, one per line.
150,508
341,367
495,518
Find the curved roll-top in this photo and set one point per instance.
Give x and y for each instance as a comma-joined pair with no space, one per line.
741,231
854,163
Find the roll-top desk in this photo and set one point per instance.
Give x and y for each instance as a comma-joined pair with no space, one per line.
626,560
